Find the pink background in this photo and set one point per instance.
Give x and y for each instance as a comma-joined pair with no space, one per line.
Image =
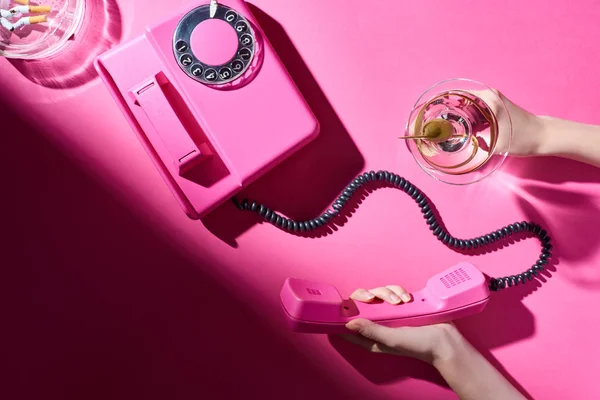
109,291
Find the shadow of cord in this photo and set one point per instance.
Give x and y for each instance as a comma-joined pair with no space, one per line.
347,203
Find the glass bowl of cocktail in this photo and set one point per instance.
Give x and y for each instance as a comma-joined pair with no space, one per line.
459,131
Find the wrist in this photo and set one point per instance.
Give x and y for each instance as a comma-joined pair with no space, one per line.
532,136
448,345
467,372
547,144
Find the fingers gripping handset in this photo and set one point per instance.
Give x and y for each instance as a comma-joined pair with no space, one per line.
312,307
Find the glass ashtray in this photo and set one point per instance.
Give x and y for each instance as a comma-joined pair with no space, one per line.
38,29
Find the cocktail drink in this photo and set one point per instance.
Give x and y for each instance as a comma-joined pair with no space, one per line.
454,133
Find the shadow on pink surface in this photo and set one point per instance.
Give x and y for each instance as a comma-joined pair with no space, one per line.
96,305
573,219
552,170
307,183
486,331
74,67
570,215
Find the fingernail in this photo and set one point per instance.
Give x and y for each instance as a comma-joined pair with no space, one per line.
353,325
405,297
369,296
357,324
395,298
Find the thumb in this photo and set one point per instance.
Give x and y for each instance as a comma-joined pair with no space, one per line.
416,342
373,331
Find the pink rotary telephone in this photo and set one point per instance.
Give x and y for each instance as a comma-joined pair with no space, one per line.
457,292
209,100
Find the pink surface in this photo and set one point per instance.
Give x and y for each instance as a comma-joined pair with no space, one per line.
110,291
214,42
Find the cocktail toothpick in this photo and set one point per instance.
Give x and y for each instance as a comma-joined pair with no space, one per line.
437,130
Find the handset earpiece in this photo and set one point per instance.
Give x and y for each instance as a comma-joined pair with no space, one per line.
312,307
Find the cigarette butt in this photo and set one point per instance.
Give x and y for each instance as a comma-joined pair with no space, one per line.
37,19
24,2
39,9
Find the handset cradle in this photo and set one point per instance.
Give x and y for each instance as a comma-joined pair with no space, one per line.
312,307
185,153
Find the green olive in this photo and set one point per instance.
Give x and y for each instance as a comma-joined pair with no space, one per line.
438,130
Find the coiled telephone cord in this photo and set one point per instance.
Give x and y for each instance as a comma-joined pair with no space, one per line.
440,232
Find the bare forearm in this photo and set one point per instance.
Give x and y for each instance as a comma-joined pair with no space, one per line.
573,140
470,375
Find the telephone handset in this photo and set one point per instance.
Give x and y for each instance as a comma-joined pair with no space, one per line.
457,292
210,101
